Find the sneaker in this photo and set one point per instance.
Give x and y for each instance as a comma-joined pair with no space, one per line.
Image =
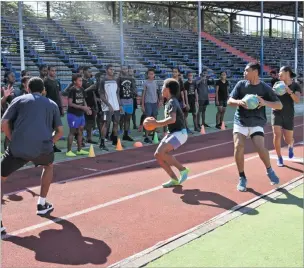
290,152
242,186
44,209
205,125
82,152
274,179
280,162
103,147
91,142
70,154
183,175
147,140
56,150
127,138
3,229
218,126
170,183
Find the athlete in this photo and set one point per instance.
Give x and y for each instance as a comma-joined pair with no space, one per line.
221,97
283,120
177,133
250,123
28,123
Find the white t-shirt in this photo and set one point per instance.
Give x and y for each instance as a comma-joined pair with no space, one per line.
110,88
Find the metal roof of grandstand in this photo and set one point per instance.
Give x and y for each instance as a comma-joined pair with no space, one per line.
272,7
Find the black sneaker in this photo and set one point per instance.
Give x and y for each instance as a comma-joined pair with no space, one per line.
147,140
91,142
44,209
3,230
205,125
103,147
56,150
218,126
127,138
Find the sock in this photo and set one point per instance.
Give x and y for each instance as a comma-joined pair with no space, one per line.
242,174
102,141
269,169
41,201
114,140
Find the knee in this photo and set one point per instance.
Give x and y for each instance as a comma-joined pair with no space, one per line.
3,179
158,155
239,147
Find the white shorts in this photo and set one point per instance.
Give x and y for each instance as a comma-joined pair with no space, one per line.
176,139
247,131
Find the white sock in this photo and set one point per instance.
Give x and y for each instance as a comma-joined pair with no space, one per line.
41,201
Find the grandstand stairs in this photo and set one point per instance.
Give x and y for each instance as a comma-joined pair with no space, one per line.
232,50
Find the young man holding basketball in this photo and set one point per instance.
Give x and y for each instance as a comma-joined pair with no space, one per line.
177,133
250,123
282,120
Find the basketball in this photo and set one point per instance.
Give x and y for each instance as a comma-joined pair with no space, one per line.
279,88
147,124
251,101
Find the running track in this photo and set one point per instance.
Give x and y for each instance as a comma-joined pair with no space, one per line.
110,207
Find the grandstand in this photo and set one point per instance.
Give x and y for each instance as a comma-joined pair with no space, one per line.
69,44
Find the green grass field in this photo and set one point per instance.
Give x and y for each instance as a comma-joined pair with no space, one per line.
271,238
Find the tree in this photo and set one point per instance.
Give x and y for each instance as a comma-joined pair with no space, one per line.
11,9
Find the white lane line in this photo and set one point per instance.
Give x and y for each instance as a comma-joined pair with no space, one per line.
132,165
299,143
91,169
285,158
113,202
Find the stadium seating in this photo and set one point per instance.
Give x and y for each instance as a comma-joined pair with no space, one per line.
69,44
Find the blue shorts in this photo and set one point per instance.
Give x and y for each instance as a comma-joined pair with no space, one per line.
151,109
75,121
127,105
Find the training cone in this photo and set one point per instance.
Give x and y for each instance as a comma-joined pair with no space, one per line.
223,127
119,146
91,152
203,130
155,138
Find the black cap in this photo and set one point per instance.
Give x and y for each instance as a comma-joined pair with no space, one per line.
288,69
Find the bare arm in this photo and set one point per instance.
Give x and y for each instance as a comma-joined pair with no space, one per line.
58,134
216,92
76,106
167,121
6,128
143,98
235,103
91,88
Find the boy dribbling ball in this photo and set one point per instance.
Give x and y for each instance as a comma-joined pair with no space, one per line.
177,133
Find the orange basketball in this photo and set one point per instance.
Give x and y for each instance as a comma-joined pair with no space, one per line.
147,125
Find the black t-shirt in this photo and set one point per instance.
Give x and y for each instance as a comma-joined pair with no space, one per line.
182,89
287,101
34,118
223,90
90,98
274,80
53,87
127,87
78,97
191,89
256,117
172,106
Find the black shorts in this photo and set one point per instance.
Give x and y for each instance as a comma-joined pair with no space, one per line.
90,119
10,164
106,116
222,103
192,106
203,102
286,122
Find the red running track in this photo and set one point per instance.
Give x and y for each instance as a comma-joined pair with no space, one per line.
121,210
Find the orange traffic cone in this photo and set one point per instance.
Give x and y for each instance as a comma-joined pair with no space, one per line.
223,127
203,130
119,146
91,152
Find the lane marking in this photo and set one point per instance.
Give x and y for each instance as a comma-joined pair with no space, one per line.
113,202
91,169
285,158
132,165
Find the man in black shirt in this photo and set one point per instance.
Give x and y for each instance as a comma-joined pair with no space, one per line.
274,76
91,100
221,97
53,88
177,133
191,89
250,123
34,118
43,71
127,90
282,120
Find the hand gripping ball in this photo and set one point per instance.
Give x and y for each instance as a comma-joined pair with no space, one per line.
279,88
251,101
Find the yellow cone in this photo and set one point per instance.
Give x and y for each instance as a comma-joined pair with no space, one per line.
91,152
119,146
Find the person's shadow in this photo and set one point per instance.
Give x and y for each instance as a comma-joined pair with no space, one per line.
197,197
65,246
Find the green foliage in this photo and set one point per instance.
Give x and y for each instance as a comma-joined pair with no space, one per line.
11,9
